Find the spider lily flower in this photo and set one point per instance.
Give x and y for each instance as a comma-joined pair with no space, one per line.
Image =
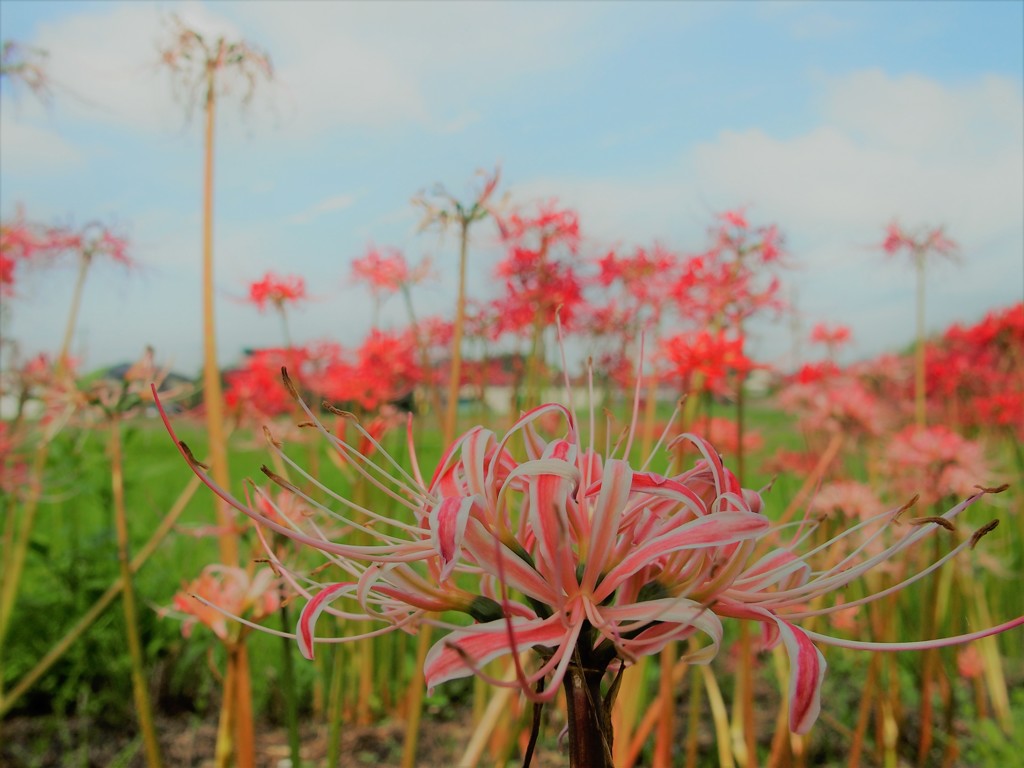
223,590
547,544
277,291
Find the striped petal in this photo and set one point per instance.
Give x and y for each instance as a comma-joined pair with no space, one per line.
304,630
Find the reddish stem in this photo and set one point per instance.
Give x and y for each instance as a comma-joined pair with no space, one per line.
590,725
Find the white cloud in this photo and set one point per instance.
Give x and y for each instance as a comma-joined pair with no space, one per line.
29,148
107,60
884,147
335,203
336,64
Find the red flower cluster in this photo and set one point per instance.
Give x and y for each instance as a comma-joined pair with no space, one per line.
277,291
831,336
255,389
382,370
385,270
22,240
713,357
537,283
930,241
728,283
980,367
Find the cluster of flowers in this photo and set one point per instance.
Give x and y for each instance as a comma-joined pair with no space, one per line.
22,241
611,300
382,369
980,368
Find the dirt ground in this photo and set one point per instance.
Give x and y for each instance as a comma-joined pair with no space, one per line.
187,742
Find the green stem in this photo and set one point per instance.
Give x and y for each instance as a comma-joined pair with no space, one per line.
139,689
76,303
291,712
421,346
455,373
334,703
213,396
919,368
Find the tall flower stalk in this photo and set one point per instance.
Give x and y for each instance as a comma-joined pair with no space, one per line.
591,563
442,208
932,243
200,66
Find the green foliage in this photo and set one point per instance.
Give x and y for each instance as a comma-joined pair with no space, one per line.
988,747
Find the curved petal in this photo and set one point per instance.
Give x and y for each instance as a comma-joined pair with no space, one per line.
806,672
304,630
483,643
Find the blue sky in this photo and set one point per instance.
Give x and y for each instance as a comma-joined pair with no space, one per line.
829,119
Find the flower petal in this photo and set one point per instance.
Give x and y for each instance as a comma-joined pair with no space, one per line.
304,630
806,672
482,643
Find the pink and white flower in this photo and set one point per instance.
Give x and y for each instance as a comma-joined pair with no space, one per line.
547,544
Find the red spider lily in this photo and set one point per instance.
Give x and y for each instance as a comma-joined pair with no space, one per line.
969,662
7,266
853,500
385,270
548,227
585,558
935,241
713,357
534,292
19,241
980,366
839,405
254,390
1001,409
222,590
277,291
384,369
646,275
831,336
91,241
813,373
442,207
22,240
935,462
728,283
537,282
